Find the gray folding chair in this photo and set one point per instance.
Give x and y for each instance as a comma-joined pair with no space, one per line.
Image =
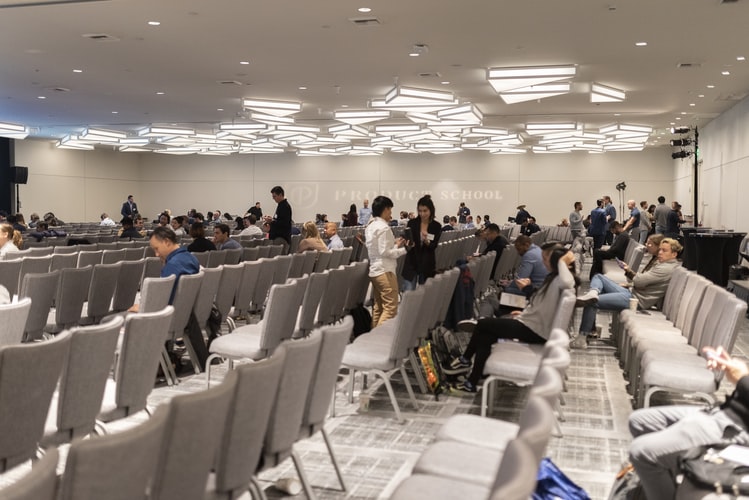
336,258
128,282
13,318
192,435
90,258
262,284
134,253
155,293
33,265
113,256
41,289
281,273
25,395
117,466
63,260
310,259
10,270
316,287
297,263
153,267
216,258
72,292
137,364
78,400
233,256
227,288
100,292
207,295
323,259
185,295
202,258
250,254
39,484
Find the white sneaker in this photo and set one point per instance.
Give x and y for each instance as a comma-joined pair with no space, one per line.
588,298
579,342
290,485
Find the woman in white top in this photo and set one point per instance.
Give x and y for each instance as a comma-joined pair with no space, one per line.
10,239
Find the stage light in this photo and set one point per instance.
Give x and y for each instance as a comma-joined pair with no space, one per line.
681,155
681,142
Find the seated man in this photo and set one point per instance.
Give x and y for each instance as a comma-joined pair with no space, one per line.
661,434
648,288
531,273
250,227
615,251
221,238
446,222
331,232
106,220
529,227
128,229
43,231
495,243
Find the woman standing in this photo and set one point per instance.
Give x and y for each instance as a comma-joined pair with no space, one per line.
352,217
10,239
424,235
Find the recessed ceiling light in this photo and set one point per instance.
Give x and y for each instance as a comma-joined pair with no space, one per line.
219,109
692,104
115,112
154,23
701,95
711,86
364,9
244,62
344,105
445,83
41,97
672,123
725,73
413,54
741,58
683,112
77,71
160,93
678,117
302,88
617,114
641,44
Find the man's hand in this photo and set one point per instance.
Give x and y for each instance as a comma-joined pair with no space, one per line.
719,359
522,282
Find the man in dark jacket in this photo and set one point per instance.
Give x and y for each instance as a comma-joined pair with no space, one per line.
661,434
615,251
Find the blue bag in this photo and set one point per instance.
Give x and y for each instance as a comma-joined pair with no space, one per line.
554,484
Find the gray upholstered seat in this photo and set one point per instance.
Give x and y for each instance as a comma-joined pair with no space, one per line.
33,265
113,256
101,291
227,288
216,258
41,289
128,282
13,319
39,484
72,292
89,258
10,271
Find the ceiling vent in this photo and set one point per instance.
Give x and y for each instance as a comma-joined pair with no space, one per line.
431,74
687,65
365,21
229,82
57,89
100,37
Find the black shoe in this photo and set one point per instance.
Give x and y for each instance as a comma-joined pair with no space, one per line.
465,387
457,365
467,325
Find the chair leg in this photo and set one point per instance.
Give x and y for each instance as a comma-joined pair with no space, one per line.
254,487
332,406
192,355
208,363
408,387
352,375
302,476
333,459
389,388
165,367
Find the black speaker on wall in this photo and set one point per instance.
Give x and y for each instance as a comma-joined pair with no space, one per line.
19,175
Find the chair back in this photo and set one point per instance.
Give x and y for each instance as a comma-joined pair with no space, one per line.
128,282
134,253
118,466
101,291
281,273
13,318
65,250
565,309
216,258
516,476
336,258
408,315
548,384
316,286
334,297
357,290
185,295
63,260
202,258
227,288
334,341
113,256
39,484
72,292
297,262
27,392
247,421
155,293
263,283
41,289
536,424
193,433
207,294
323,261
280,316
33,265
83,380
275,250
90,258
233,256
310,259
10,270
291,399
138,361
250,253
153,266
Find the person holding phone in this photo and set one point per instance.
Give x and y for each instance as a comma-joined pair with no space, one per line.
615,251
423,234
661,434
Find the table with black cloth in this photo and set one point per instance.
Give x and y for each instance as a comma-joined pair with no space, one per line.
712,254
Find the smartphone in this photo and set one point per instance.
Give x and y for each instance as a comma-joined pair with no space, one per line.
711,354
619,262
407,234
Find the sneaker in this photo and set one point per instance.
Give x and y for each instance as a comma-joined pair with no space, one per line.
457,365
465,387
579,342
596,334
467,325
588,298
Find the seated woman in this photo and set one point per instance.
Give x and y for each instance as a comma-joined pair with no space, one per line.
311,239
10,239
532,325
199,242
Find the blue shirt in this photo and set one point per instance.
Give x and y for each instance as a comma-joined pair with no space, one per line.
597,222
177,263
532,266
364,215
229,244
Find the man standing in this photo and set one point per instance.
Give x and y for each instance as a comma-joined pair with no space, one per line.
610,210
331,232
256,211
576,221
383,251
522,215
597,228
280,223
221,238
463,212
129,208
633,222
661,215
365,213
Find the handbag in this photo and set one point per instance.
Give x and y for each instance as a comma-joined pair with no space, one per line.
707,469
552,484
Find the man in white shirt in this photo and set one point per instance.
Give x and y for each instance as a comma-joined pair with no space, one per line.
107,221
250,229
331,232
384,251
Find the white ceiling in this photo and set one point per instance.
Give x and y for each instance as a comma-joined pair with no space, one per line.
293,43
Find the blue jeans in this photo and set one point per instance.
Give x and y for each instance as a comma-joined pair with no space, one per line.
611,297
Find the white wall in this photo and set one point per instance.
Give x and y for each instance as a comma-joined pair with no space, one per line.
724,173
79,185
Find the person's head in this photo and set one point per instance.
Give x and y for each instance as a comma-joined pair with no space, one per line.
607,200
217,215
197,230
34,217
661,199
668,250
478,219
469,219
675,205
366,203
220,233
199,217
42,226
239,222
491,232
404,215
462,204
425,208
266,227
578,206
250,220
522,244
551,252
277,194
651,209
127,222
521,207
163,241
331,228
486,218
446,219
616,227
352,208
631,204
653,243
6,233
138,221
257,204
453,221
531,220
228,216
176,223
164,219
130,198
382,207
309,230
644,205
104,216
599,203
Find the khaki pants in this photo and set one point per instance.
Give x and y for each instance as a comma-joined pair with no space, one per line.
385,295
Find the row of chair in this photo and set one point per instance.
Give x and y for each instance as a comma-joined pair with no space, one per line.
661,351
